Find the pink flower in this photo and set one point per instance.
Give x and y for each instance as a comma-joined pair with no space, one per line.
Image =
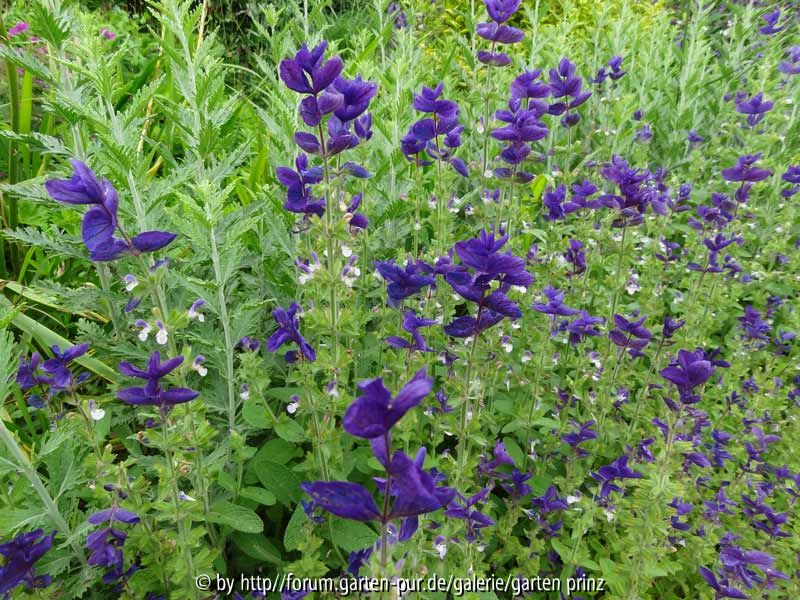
20,27
109,35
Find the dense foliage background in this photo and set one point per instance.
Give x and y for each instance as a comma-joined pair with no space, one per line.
657,454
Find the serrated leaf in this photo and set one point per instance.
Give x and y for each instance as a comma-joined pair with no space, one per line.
352,535
236,517
260,495
278,479
294,529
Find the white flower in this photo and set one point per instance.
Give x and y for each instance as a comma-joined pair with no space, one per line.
130,282
145,329
347,251
197,365
441,547
162,335
244,394
95,411
185,497
194,312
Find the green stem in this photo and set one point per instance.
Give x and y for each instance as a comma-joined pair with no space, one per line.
332,199
184,540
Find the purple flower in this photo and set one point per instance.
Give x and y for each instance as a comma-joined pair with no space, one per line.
248,344
20,27
100,222
308,72
58,366
694,137
638,190
516,486
755,329
474,519
375,412
792,65
688,371
583,433
402,282
549,502
28,372
153,394
670,327
739,563
499,457
583,326
771,19
356,94
745,171
501,11
108,34
298,184
606,475
288,322
555,304
614,70
721,586
21,554
106,543
630,335
412,323
483,263
499,34
754,107
644,133
528,87
792,176
566,87
553,200
413,489
580,197
576,257
522,127
424,135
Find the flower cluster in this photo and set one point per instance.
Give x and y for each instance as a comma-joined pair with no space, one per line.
100,222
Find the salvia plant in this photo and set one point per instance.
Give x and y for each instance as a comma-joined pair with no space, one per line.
498,294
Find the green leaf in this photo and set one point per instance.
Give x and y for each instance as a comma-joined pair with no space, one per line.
260,495
294,529
255,413
562,549
537,187
257,546
352,535
289,430
278,479
236,517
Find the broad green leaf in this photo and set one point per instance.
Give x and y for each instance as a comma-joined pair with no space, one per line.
257,494
236,517
278,479
352,535
257,546
288,429
294,529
